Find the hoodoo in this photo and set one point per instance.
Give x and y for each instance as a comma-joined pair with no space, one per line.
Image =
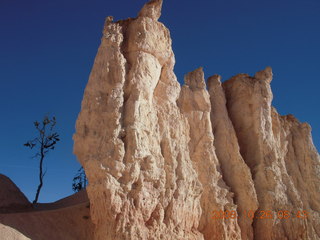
191,162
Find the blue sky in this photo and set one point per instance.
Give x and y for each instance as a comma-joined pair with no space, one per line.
47,49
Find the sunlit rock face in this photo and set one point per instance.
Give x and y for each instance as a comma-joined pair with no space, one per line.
281,156
235,171
11,233
163,160
194,103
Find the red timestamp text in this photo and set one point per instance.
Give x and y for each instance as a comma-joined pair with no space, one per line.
260,214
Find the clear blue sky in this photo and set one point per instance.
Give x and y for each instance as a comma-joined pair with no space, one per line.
47,50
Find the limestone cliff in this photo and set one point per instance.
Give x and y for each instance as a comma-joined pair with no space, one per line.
171,162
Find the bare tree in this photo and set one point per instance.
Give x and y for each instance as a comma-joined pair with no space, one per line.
80,180
45,141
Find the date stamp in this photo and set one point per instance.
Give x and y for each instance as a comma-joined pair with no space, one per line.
260,214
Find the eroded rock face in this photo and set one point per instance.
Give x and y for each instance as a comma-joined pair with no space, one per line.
10,233
133,140
234,170
194,102
281,156
161,158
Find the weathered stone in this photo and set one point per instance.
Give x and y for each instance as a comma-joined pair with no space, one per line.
161,158
234,170
283,161
11,233
194,103
152,10
133,140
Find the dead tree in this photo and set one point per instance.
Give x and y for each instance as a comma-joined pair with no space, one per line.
80,180
45,141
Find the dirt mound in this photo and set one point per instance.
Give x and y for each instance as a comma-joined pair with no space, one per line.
11,198
67,219
70,223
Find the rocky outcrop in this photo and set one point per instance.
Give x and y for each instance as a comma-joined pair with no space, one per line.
11,233
235,172
163,159
194,102
282,159
133,140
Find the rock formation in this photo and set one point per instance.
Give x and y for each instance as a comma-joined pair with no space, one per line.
234,170
163,159
281,156
11,233
194,103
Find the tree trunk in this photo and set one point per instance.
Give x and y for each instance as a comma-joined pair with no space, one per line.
40,178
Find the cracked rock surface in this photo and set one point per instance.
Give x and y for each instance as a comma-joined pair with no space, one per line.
162,158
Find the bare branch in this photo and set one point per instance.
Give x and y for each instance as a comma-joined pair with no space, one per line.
45,141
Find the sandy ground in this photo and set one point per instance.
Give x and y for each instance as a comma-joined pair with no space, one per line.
66,219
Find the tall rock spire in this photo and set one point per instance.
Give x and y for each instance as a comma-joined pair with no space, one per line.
171,162
134,142
235,172
151,9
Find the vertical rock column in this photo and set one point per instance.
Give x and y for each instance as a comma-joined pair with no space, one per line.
194,102
235,172
302,164
249,106
132,139
98,141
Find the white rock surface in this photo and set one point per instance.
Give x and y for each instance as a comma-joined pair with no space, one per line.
11,234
